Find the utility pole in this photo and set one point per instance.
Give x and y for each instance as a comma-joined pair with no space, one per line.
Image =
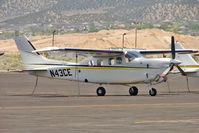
136,34
123,40
53,38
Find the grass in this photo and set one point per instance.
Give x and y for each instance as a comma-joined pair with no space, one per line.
11,62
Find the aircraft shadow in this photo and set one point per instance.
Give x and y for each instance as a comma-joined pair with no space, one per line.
146,95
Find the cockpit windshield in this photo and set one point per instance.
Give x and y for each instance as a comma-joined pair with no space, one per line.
131,55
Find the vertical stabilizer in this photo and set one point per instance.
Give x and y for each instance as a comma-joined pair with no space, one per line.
25,48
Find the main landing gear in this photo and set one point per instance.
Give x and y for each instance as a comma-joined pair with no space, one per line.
101,91
133,91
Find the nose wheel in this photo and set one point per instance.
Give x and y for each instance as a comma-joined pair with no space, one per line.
101,91
133,91
152,92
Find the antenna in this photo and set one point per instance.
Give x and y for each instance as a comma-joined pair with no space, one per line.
136,34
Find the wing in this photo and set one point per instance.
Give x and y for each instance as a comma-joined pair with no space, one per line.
92,52
99,52
164,51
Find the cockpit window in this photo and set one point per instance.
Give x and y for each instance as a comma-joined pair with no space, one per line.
118,60
131,55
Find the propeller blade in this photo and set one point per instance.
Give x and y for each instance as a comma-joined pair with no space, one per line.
166,72
173,47
163,76
180,69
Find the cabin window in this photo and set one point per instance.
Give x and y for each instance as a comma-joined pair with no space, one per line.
99,62
111,61
118,60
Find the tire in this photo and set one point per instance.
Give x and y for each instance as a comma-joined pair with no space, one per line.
152,92
101,91
133,91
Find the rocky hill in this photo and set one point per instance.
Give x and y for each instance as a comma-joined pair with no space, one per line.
24,12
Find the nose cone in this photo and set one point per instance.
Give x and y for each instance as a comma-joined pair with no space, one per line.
175,62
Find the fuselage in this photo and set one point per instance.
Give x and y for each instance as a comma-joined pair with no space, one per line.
112,70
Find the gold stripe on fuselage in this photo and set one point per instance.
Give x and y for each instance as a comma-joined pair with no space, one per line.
189,66
80,67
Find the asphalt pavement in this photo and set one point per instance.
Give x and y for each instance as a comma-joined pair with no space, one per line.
64,106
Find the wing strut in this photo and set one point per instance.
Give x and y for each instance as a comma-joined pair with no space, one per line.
35,86
76,74
187,78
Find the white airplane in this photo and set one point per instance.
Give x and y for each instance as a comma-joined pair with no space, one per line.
103,66
188,64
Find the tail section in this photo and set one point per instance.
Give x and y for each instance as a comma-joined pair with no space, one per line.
30,59
186,59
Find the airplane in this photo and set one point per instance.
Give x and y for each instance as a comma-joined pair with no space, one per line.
188,65
1,53
121,67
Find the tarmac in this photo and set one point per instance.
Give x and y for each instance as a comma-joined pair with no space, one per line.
60,106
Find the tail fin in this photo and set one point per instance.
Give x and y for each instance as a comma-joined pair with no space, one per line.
186,59
25,48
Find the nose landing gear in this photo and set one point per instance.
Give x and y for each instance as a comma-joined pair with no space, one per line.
152,92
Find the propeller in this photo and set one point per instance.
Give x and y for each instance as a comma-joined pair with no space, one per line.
173,61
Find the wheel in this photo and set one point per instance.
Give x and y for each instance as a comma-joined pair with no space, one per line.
133,91
101,91
152,92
